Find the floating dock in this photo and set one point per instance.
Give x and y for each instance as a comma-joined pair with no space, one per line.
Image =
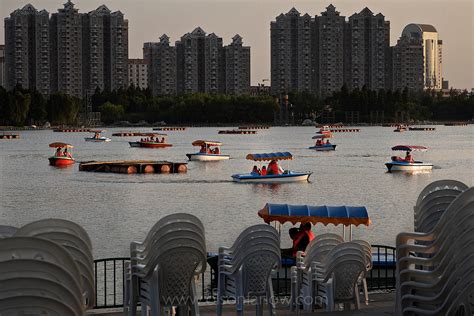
134,166
169,129
421,129
71,130
456,124
344,130
130,134
9,136
238,131
254,127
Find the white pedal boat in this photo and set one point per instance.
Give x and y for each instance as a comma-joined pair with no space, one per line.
402,164
206,154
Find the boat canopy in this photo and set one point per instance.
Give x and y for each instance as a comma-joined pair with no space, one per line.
319,136
270,156
200,142
345,215
409,148
60,145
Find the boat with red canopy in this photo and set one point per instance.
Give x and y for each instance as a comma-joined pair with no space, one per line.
272,177
61,159
320,145
152,140
206,153
408,164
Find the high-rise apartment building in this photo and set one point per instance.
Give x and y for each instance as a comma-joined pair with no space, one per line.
291,53
237,67
161,60
323,53
408,68
66,51
367,49
105,47
2,65
70,52
329,51
198,63
27,50
138,73
432,52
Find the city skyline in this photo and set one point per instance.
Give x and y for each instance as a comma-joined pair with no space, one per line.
176,18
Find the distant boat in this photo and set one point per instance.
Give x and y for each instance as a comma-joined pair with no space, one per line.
206,154
97,138
152,142
401,164
61,161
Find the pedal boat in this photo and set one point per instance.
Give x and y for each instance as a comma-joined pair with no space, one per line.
97,138
286,176
399,164
61,161
206,156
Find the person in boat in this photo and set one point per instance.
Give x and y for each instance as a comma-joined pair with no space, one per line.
163,140
58,152
66,153
318,142
217,151
409,158
255,171
327,142
288,252
306,228
263,172
96,135
273,168
203,149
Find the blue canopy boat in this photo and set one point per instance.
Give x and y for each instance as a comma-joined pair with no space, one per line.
285,176
323,146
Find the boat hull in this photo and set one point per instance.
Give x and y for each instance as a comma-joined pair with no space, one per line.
149,145
97,140
207,157
282,178
61,161
324,147
408,167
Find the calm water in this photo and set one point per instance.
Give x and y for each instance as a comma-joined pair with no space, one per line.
116,209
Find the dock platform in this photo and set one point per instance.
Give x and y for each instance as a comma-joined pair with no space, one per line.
134,166
131,134
254,127
9,136
344,130
456,124
71,130
169,129
421,129
238,131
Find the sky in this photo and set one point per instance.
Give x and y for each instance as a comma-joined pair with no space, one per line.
149,19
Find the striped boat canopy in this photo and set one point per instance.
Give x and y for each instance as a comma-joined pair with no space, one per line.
345,215
206,142
60,145
270,156
409,148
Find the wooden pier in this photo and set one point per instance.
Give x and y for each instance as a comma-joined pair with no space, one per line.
9,136
169,129
254,127
455,124
134,166
131,134
238,131
344,130
71,130
421,129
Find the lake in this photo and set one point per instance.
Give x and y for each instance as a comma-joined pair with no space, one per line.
117,208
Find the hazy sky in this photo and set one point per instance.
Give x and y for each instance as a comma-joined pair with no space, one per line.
149,19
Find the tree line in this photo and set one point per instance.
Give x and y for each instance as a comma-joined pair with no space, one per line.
24,107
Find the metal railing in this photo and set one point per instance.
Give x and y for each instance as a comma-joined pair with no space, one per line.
109,281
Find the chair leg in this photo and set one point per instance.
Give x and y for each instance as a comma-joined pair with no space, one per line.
357,297
194,301
271,298
366,292
240,294
220,292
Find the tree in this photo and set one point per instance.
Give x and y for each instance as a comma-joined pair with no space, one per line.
111,112
63,109
38,106
18,106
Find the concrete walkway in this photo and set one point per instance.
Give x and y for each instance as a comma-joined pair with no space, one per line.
380,304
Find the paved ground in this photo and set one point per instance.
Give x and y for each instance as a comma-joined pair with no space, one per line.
379,304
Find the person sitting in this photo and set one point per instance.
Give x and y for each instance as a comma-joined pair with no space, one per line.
203,149
163,140
318,142
409,158
66,153
300,242
273,168
96,136
288,252
217,151
263,172
255,171
306,227
327,142
58,152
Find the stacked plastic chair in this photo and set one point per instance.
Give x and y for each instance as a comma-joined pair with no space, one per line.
435,269
75,241
162,268
244,270
38,277
316,251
